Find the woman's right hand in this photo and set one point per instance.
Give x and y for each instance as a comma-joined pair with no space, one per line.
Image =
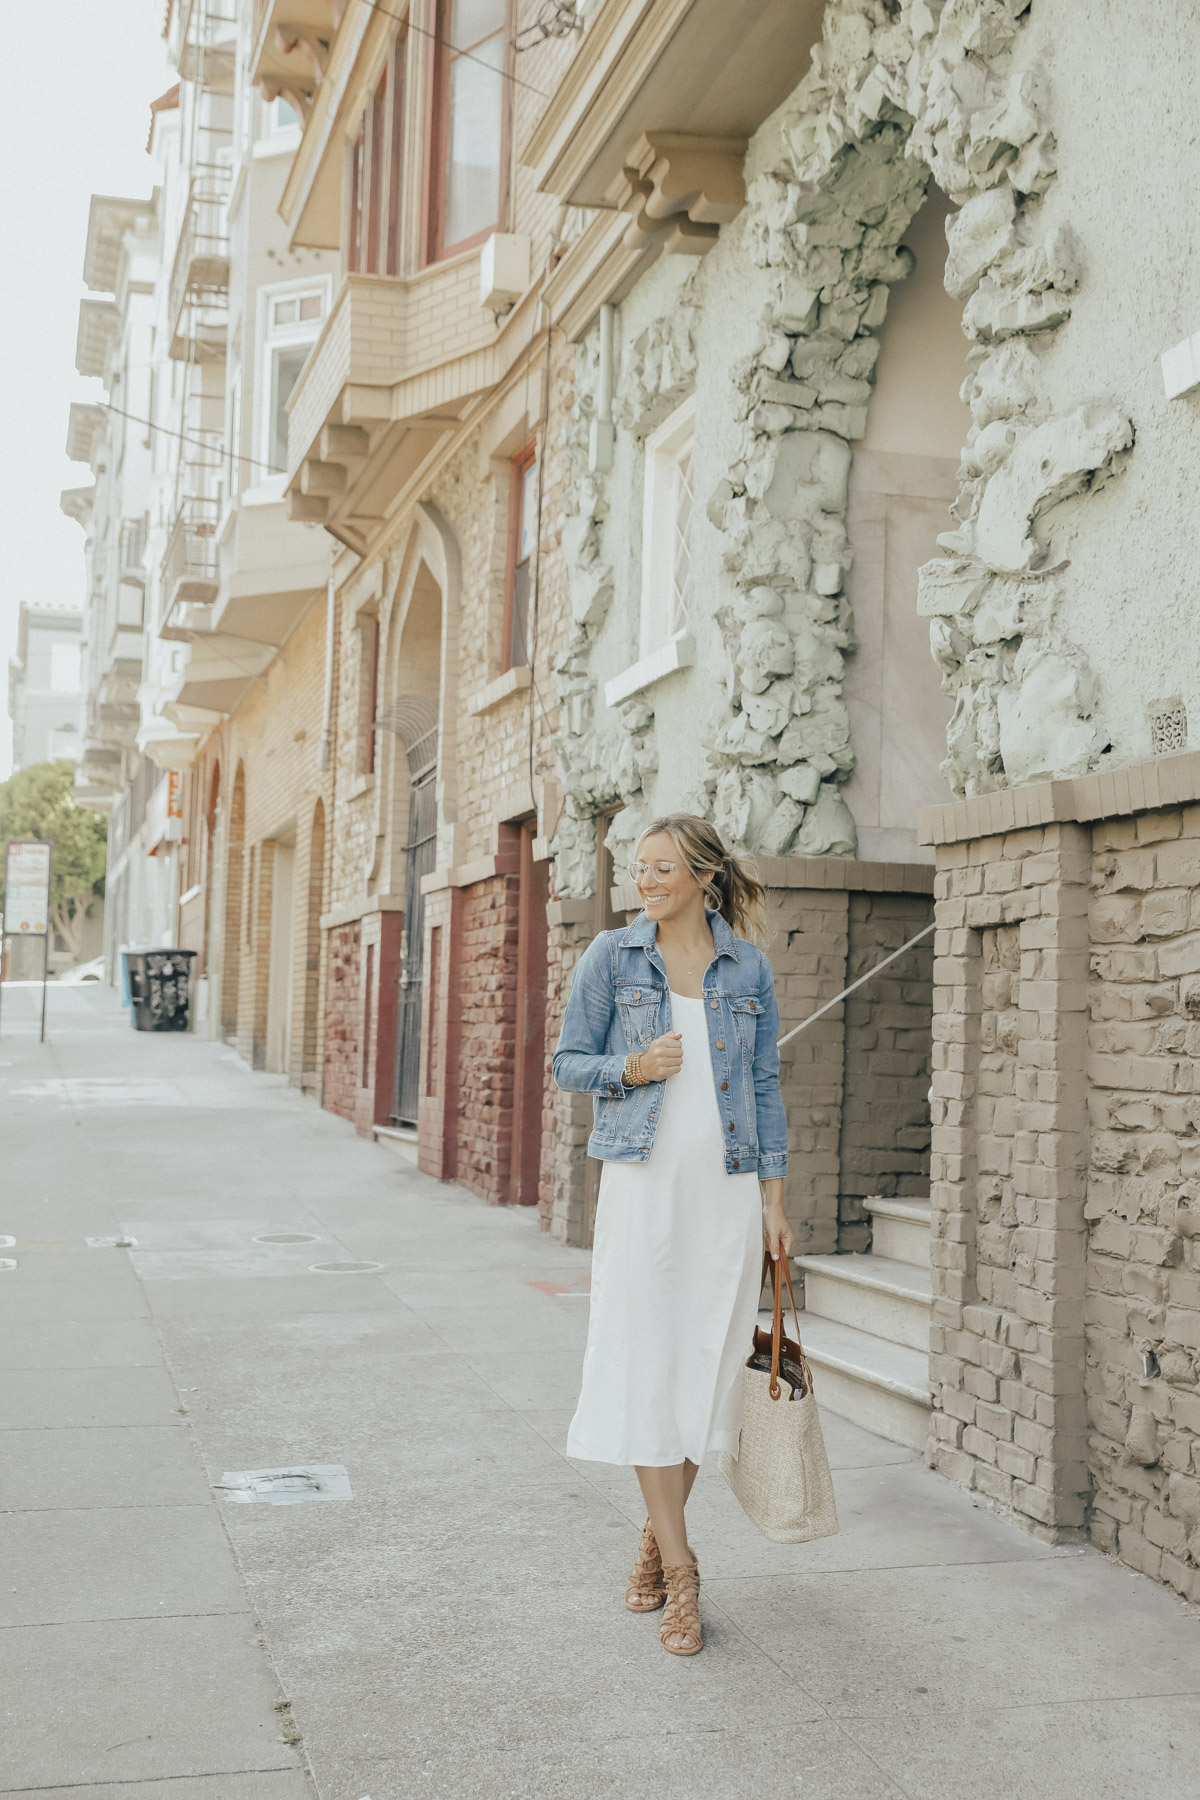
664,1057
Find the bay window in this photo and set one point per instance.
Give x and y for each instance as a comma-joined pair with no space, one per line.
470,124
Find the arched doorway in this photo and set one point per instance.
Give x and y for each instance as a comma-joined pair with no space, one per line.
212,814
231,960
309,1038
413,718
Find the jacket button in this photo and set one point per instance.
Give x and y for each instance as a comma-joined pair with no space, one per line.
720,1043
736,1164
638,994
713,1004
731,1124
724,1085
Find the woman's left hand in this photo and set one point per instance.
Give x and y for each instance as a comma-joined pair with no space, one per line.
777,1233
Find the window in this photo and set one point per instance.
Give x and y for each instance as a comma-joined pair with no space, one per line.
277,116
667,524
291,320
376,167
522,542
470,123
64,668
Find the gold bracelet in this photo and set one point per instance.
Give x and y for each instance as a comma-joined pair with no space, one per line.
633,1076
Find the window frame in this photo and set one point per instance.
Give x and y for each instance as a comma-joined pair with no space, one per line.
374,197
519,467
665,448
269,339
437,140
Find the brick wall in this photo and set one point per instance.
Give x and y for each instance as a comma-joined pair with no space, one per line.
486,992
884,1140
343,1008
1009,1236
568,1117
1143,1204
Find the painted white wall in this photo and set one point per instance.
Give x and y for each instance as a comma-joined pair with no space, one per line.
1122,89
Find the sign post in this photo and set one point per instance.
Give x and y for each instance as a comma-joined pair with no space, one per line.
27,870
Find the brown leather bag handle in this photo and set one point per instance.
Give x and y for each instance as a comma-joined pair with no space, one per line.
779,1274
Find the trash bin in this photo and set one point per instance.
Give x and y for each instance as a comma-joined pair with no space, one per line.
159,987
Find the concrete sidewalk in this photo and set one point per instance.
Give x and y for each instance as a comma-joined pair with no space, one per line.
455,1631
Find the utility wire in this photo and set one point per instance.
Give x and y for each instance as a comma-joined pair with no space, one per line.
181,436
829,1006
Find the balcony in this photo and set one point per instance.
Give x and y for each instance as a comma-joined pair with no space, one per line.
121,670
190,567
271,570
113,724
99,777
202,43
397,365
198,297
292,39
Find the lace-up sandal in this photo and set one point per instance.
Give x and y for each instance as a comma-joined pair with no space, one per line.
645,1592
680,1628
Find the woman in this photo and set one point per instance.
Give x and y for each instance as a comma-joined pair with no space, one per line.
671,1027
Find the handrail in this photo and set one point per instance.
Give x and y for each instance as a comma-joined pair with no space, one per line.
829,1006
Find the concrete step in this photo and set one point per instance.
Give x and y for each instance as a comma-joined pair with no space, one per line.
900,1230
400,1138
881,1386
873,1294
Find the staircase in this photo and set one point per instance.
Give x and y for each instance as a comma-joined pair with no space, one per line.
865,1325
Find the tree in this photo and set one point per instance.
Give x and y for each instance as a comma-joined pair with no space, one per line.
39,802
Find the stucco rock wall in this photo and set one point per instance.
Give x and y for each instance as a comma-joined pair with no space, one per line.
1123,113
898,92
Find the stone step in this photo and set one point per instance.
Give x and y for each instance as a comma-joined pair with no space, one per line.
873,1294
881,1386
900,1230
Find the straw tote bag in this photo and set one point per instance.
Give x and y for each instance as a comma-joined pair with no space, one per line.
781,1472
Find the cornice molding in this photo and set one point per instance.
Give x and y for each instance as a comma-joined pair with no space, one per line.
620,47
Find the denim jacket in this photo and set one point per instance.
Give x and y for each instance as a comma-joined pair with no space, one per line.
620,1002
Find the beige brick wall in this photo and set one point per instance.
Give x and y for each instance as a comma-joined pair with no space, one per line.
1143,1206
1008,1172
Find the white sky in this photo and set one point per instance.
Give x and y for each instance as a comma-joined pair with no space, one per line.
74,123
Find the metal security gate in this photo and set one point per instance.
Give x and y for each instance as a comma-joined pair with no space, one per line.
420,857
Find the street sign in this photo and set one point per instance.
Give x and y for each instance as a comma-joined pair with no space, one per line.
27,889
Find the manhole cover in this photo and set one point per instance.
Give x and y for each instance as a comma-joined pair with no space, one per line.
344,1268
286,1237
285,1487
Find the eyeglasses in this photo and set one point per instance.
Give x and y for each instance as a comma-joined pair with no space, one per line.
660,869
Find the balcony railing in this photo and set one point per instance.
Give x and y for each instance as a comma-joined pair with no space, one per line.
191,564
202,43
199,291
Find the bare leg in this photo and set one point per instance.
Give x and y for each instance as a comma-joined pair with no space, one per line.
665,1492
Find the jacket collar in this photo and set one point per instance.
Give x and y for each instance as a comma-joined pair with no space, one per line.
643,934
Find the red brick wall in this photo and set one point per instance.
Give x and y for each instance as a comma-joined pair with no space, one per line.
486,995
343,1010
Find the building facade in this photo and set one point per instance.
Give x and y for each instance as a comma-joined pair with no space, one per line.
606,410
45,686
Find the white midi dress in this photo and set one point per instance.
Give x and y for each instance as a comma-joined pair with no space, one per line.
676,1269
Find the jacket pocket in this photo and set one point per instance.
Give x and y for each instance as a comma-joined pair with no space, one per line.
747,1011
638,1009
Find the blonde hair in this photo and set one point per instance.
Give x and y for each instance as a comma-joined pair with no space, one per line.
731,886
